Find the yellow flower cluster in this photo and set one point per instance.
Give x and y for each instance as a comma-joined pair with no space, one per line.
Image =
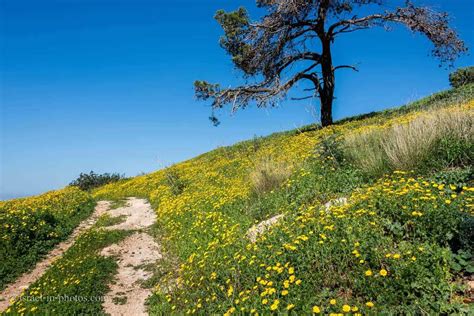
26,216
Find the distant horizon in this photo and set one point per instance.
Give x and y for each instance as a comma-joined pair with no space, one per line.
90,85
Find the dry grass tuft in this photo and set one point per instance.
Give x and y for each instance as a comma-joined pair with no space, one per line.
366,151
269,174
406,145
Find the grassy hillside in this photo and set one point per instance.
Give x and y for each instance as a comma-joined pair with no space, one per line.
401,243
387,250
30,227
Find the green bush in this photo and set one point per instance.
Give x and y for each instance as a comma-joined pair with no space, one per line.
91,180
461,77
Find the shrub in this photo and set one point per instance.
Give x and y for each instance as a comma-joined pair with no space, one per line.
268,175
88,181
331,148
461,77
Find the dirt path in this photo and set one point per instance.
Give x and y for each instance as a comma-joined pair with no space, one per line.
126,295
138,212
134,253
22,283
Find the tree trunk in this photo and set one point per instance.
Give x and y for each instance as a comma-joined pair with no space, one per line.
326,112
327,89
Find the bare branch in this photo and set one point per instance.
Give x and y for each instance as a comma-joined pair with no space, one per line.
434,25
288,60
346,66
303,98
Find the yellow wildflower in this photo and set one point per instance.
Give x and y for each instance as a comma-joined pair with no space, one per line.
316,309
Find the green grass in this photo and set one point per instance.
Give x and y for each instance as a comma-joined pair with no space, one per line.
107,220
118,203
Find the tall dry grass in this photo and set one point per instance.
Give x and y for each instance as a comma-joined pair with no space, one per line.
408,145
269,174
365,150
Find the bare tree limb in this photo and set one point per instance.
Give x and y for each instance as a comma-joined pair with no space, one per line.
346,66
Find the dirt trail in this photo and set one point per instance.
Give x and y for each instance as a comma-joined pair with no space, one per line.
22,283
138,212
126,295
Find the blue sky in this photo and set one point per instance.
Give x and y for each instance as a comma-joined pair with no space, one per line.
107,85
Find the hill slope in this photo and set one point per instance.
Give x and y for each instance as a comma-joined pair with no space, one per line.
387,246
397,241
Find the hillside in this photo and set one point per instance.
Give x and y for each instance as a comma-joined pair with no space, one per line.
372,215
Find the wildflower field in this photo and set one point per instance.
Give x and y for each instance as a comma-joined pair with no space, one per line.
389,250
401,244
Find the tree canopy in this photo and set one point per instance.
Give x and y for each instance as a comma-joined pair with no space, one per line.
292,42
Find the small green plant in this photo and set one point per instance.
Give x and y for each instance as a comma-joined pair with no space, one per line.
463,262
331,148
91,180
117,204
464,239
119,300
461,77
458,177
174,181
107,220
256,143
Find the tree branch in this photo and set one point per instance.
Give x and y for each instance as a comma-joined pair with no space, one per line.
302,98
346,66
285,62
361,22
